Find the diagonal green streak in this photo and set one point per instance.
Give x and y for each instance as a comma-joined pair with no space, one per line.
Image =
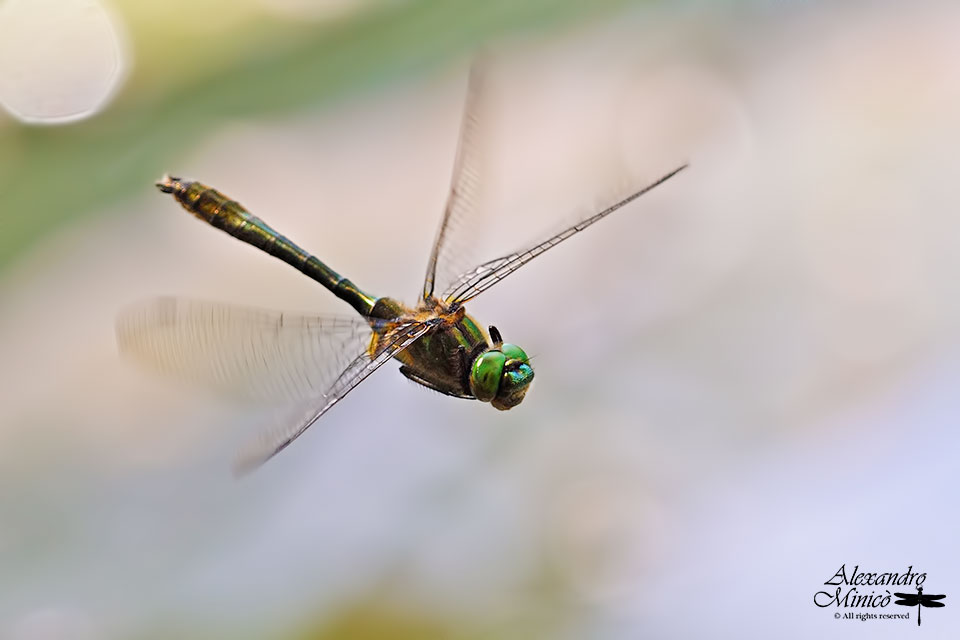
50,175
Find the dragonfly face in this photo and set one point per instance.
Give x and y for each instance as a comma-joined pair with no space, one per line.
317,360
501,375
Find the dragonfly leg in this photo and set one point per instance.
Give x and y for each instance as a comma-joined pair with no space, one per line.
453,393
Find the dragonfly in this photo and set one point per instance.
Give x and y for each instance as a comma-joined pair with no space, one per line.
918,600
314,361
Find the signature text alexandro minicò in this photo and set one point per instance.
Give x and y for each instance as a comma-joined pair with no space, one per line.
848,595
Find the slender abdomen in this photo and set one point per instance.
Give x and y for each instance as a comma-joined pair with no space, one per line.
229,216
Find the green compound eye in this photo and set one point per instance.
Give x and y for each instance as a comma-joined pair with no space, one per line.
513,352
485,375
514,384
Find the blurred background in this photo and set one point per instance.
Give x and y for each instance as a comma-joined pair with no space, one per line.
745,380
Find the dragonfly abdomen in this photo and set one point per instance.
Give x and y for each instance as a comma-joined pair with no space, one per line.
229,216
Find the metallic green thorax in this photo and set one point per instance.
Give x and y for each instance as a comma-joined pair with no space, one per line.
440,360
229,216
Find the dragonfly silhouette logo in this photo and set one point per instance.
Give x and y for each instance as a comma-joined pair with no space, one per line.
861,595
918,600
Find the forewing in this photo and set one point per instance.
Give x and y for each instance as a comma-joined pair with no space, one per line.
908,599
929,600
477,280
460,225
264,355
395,339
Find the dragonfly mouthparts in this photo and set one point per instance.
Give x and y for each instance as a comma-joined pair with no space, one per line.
168,183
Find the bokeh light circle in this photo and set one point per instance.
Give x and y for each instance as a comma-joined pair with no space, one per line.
60,60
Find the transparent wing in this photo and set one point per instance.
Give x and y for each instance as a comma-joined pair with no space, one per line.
477,280
461,221
264,355
395,339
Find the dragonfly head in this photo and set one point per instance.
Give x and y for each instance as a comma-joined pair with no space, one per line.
501,375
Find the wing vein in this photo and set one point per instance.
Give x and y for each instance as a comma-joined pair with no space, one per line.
398,338
472,283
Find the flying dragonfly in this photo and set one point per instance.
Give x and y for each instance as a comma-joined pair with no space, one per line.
919,599
315,361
